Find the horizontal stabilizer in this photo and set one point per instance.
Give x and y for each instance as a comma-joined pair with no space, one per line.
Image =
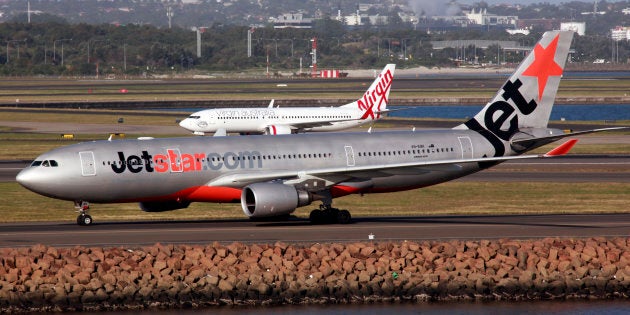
562,149
528,142
388,110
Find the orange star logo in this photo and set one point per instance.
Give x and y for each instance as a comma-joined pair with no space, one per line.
544,65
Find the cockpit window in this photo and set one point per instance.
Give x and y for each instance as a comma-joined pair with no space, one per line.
45,163
194,117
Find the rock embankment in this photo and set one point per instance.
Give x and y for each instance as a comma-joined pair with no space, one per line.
44,278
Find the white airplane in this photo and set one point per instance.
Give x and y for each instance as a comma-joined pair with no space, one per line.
276,121
273,176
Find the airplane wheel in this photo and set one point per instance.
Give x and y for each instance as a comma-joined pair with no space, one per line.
343,217
84,219
316,216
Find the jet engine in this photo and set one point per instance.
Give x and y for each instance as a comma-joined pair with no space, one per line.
161,206
269,199
278,130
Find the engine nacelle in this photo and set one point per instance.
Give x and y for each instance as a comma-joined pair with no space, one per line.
278,130
161,206
261,200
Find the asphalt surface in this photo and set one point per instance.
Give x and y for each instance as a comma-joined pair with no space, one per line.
301,231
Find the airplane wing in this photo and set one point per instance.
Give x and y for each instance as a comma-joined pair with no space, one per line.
313,124
529,142
335,175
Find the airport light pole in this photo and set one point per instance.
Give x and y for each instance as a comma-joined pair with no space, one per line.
287,39
125,56
55,48
18,47
93,42
88,51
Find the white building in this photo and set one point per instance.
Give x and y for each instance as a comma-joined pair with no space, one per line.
620,33
578,27
358,19
484,18
292,20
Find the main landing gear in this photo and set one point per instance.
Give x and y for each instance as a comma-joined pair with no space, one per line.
82,208
326,214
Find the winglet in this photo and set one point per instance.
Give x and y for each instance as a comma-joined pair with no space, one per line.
562,149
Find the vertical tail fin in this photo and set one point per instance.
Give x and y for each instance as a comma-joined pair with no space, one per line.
526,99
374,100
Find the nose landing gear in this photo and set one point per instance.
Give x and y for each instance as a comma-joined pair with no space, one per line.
82,207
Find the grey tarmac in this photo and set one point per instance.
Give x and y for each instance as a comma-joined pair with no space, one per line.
296,230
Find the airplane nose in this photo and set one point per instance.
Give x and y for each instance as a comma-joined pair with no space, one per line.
41,182
26,178
185,124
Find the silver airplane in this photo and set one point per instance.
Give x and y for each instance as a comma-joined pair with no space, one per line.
277,121
272,176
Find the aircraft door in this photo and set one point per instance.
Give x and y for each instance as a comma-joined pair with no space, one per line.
176,160
466,146
349,155
88,166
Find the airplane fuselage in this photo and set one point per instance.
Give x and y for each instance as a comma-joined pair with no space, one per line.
287,120
180,169
244,120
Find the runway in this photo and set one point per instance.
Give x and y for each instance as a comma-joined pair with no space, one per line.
296,230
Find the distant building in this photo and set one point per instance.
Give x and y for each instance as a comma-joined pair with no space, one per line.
292,20
545,24
522,31
578,27
359,19
479,18
354,19
620,33
484,18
